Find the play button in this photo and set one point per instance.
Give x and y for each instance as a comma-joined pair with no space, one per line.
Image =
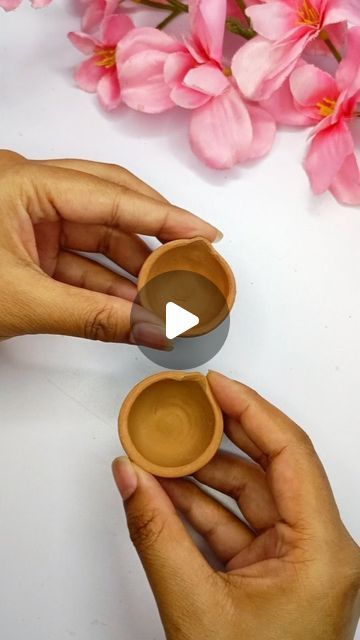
178,320
187,303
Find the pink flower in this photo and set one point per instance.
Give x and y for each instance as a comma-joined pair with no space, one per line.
285,28
98,73
140,58
96,11
10,5
329,103
158,73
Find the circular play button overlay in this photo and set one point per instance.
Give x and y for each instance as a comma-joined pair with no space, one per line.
194,313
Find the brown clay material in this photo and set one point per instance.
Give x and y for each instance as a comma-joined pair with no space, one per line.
170,424
211,304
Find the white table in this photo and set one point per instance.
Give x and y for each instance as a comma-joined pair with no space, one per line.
67,568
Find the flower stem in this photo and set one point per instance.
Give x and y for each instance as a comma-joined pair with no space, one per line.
176,7
179,6
235,26
329,43
168,19
242,6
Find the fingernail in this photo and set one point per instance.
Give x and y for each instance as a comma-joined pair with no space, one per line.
125,477
150,335
219,236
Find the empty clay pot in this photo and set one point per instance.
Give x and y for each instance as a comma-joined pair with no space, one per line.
210,296
170,424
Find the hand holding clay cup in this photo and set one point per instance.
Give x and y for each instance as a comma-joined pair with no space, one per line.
290,570
52,209
170,424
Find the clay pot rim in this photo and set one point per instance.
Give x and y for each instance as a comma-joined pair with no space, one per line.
138,458
173,244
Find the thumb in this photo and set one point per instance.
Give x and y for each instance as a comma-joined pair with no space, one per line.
178,573
48,306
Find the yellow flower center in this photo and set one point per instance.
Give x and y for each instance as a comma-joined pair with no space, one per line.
308,14
326,107
227,72
106,57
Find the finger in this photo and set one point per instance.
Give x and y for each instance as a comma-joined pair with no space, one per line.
82,272
222,530
237,435
296,477
246,483
9,158
125,249
270,544
111,172
174,566
79,197
48,306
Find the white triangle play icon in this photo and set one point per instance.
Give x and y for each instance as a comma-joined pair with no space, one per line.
178,320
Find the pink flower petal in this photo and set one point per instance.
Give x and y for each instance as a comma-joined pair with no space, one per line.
114,28
96,11
93,15
39,4
310,85
83,42
108,90
221,131
260,67
188,98
88,75
342,10
283,108
142,82
146,39
176,67
337,34
346,184
273,20
327,154
348,73
196,50
264,130
9,5
207,19
208,79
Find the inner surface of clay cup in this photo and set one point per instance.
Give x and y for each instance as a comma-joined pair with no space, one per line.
171,427
197,278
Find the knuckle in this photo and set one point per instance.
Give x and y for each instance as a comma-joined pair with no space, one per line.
304,440
122,195
16,172
105,241
145,528
102,325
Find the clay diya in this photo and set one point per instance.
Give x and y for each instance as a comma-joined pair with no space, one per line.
193,275
170,424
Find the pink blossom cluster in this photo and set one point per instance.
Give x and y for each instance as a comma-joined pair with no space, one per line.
236,102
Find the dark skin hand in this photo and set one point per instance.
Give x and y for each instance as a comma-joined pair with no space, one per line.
291,570
52,209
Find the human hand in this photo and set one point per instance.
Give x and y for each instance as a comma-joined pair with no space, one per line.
51,208
291,571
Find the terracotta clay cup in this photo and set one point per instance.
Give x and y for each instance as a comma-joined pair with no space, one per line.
209,297
170,424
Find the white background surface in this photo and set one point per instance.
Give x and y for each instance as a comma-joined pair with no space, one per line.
67,568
